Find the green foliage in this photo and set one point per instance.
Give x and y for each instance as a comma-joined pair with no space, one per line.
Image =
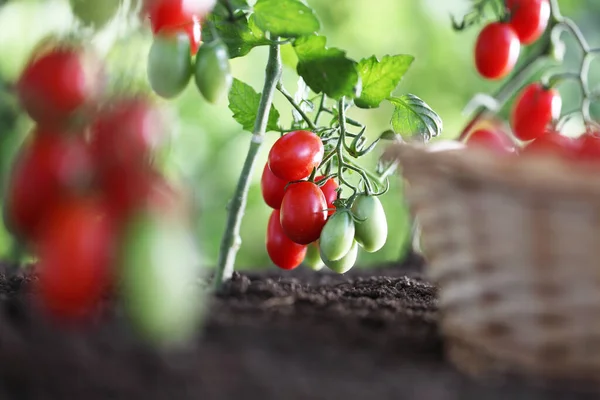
413,117
286,18
240,36
380,78
326,70
244,102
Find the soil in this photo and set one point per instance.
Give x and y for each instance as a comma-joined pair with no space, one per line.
370,334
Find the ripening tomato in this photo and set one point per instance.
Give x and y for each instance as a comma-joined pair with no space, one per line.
303,212
75,248
58,83
534,110
272,188
192,29
529,18
329,189
176,13
169,64
294,155
553,143
345,263
497,50
127,132
588,147
492,140
283,252
337,236
212,72
370,224
48,168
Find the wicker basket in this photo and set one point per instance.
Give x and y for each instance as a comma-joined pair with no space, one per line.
514,245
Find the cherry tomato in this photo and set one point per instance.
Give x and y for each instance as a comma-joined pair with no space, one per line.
48,168
169,64
212,71
553,143
283,252
294,155
534,109
272,188
313,259
497,50
57,84
329,189
192,29
588,147
303,212
345,263
492,140
529,18
159,268
75,249
337,236
127,132
176,13
128,190
370,224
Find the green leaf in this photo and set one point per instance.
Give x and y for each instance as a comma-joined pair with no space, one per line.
413,117
380,78
288,56
240,36
326,70
286,18
237,6
244,102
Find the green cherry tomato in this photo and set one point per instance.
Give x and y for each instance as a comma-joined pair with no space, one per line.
213,74
313,259
371,224
93,12
345,263
337,236
169,64
158,263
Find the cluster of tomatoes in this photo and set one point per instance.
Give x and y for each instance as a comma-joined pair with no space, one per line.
306,220
499,43
176,25
535,110
82,173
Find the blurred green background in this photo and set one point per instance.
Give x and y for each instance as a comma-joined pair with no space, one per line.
209,147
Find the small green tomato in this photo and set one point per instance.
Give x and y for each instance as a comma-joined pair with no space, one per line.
345,263
371,224
337,236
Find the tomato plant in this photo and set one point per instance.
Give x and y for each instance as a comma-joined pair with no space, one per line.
295,155
303,212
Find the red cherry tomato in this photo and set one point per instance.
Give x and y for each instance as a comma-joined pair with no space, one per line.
303,212
283,252
75,249
176,13
497,50
534,109
553,143
329,189
294,155
127,190
491,140
48,168
58,83
193,30
127,132
529,18
588,147
272,188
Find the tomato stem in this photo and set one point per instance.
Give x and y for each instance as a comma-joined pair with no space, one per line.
231,240
296,106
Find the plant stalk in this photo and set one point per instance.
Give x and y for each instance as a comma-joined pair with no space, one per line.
231,241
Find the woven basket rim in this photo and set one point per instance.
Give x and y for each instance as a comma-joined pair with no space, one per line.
535,173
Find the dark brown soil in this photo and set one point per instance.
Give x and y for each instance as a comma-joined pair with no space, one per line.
369,335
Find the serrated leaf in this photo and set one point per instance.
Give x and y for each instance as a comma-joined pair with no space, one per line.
326,70
240,36
286,18
380,78
413,117
244,102
237,6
